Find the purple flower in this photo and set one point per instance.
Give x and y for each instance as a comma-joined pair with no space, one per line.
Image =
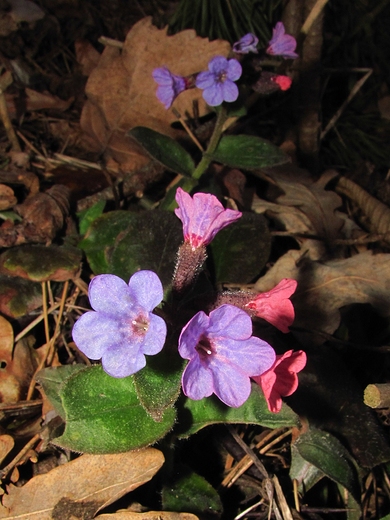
122,328
202,216
218,82
246,44
223,355
169,85
282,44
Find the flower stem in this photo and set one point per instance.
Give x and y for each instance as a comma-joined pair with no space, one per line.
214,140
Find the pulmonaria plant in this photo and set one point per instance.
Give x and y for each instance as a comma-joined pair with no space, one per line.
169,85
122,328
281,379
218,83
222,355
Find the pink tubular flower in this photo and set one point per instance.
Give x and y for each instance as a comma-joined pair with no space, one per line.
284,82
275,306
281,379
202,216
282,44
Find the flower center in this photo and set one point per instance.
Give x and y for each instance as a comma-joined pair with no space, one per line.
139,325
204,348
222,77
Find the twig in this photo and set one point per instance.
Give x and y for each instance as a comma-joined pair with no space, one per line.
187,129
4,115
110,42
4,472
255,460
358,85
313,15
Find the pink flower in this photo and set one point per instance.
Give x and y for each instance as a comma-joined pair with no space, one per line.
275,306
282,44
281,379
202,216
284,82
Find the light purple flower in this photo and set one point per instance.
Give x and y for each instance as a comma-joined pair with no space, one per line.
202,216
217,83
122,328
169,85
282,44
246,44
223,355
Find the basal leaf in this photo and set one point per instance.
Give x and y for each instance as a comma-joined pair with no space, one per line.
199,414
248,152
164,149
104,415
241,250
19,296
87,216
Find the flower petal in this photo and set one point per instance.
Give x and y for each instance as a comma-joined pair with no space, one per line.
146,289
252,356
213,95
120,361
218,64
229,91
205,79
197,380
155,336
190,335
230,321
110,294
234,70
94,332
232,386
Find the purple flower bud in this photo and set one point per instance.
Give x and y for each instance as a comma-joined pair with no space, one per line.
282,44
169,85
223,355
202,216
218,82
122,329
246,44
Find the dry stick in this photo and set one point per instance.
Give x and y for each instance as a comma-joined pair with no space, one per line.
187,129
358,85
313,15
4,472
35,322
50,353
45,315
31,146
256,461
377,395
4,115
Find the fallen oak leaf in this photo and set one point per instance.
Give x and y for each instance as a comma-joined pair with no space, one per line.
83,486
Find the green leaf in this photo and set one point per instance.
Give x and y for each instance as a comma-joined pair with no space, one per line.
199,414
248,152
41,263
158,384
191,493
325,452
104,415
122,243
164,149
51,379
87,216
303,471
241,250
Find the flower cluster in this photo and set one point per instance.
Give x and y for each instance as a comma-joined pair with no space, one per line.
223,355
219,81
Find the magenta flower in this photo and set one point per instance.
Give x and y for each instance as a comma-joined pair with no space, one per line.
169,85
281,379
282,44
275,306
122,329
284,82
202,216
246,44
218,82
223,355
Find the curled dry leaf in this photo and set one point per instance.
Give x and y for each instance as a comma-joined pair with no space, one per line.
17,365
122,93
323,288
7,197
81,487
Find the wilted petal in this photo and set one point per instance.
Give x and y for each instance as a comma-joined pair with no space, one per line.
246,44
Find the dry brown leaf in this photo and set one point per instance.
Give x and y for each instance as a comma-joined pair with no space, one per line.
323,288
86,55
122,93
7,197
149,515
82,486
17,364
6,445
37,101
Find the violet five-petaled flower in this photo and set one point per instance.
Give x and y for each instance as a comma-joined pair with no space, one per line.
282,44
122,329
223,355
246,44
281,379
169,85
202,216
217,83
